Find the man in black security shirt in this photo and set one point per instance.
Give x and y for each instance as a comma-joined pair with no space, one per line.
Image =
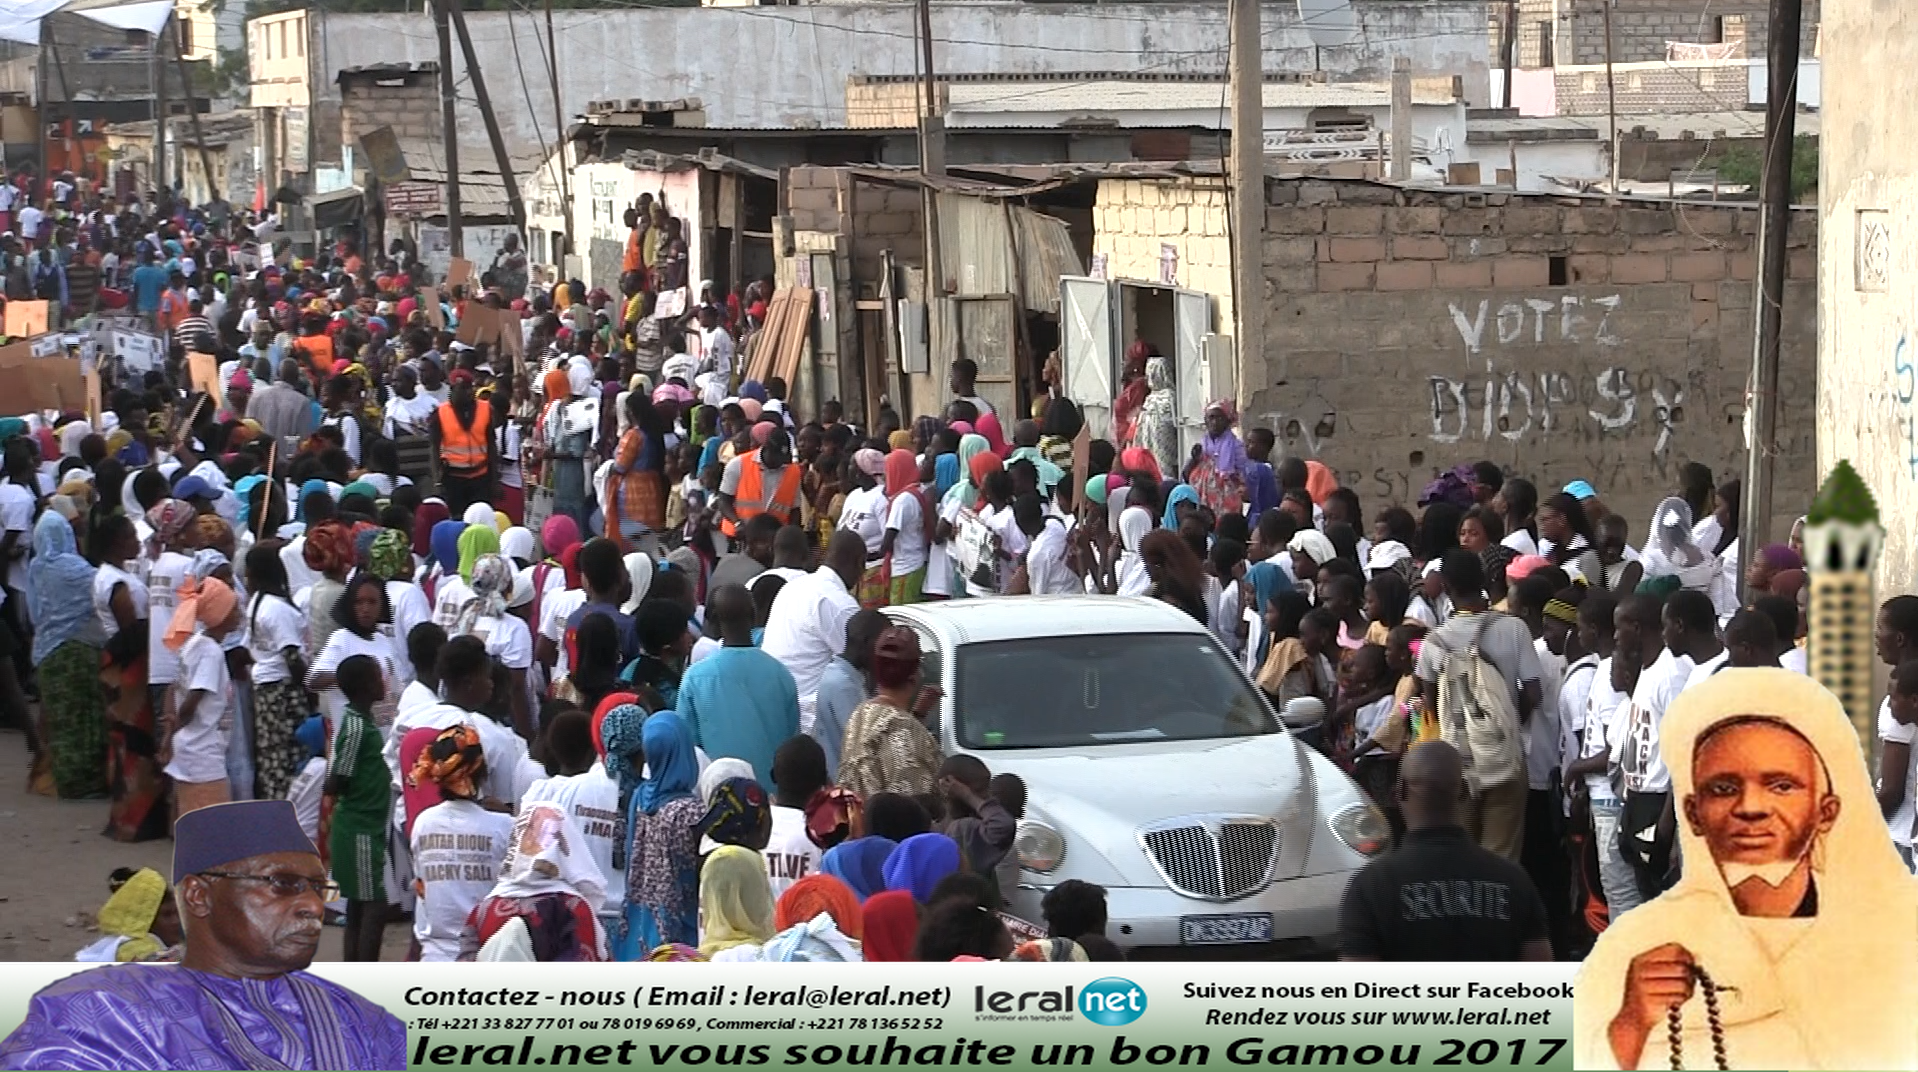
1439,896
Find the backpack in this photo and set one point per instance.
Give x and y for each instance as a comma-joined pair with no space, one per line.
1478,715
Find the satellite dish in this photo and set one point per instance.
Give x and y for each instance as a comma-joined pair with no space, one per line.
1330,23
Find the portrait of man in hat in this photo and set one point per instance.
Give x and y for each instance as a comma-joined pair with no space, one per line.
1789,940
251,892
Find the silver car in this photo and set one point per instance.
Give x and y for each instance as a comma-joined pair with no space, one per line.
1154,768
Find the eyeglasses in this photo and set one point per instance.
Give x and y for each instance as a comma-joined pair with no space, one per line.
284,885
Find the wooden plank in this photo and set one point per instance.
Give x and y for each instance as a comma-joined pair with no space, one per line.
792,340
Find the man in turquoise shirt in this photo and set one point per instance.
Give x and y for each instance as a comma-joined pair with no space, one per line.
149,279
739,701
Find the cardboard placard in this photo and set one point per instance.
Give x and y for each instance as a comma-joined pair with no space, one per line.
138,351
203,371
430,298
671,304
479,324
30,383
458,271
25,318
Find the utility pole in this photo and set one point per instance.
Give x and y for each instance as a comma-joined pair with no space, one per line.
193,114
1781,120
1246,195
449,129
932,154
1508,47
559,152
162,184
513,202
1401,120
1611,95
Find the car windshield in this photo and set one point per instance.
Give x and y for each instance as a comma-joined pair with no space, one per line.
1058,692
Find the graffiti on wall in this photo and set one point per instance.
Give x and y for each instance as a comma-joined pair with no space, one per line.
1904,385
1513,404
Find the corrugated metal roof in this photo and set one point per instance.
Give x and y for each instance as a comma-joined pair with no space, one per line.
994,248
999,98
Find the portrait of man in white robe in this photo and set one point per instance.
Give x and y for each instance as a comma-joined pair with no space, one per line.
1791,938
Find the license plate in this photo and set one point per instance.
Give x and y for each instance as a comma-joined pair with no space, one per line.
1225,930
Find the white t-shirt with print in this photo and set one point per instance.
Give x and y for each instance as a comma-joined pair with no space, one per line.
276,625
458,847
864,514
1658,685
163,594
199,747
790,855
554,610
105,581
16,515
592,799
909,549
1607,713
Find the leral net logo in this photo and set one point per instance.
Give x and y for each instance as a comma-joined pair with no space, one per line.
1112,1001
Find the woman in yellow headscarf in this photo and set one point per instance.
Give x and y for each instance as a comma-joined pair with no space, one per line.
735,904
139,922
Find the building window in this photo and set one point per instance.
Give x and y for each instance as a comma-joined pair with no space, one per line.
1546,58
1332,120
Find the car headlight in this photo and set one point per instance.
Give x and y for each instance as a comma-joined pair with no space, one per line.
1363,829
1040,847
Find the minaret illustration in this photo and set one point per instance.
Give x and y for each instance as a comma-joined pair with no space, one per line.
1843,540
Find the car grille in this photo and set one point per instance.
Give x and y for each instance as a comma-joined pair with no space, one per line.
1216,861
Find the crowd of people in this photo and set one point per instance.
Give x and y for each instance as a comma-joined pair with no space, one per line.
580,654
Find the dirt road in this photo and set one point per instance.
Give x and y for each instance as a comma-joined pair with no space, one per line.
54,865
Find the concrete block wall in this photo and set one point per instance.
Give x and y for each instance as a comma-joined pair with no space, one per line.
1563,338
1640,28
413,111
1654,88
883,217
1133,220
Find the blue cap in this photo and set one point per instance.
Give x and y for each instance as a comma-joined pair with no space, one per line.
192,487
208,839
1580,490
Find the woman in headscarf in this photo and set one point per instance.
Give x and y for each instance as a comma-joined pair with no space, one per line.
638,484
550,884
1671,553
140,921
1140,462
888,749
816,895
563,438
1219,472
1132,391
196,737
735,904
920,862
738,812
475,542
516,544
453,839
1062,424
889,922
329,553
66,652
429,515
859,863
1157,429
909,525
662,867
445,560
818,940
1129,577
